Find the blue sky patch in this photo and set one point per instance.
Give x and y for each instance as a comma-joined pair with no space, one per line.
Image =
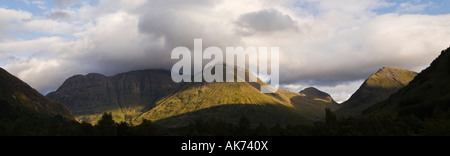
429,7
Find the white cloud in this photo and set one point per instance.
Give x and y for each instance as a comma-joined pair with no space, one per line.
343,91
26,2
411,7
16,25
39,4
293,87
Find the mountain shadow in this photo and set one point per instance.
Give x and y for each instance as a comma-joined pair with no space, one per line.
267,114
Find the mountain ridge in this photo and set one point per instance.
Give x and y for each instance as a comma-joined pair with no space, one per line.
376,88
317,94
428,95
185,100
124,93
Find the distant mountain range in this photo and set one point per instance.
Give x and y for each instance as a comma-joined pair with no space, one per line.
125,95
375,89
151,94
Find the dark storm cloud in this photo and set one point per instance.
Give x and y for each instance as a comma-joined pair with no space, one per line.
266,21
60,15
65,3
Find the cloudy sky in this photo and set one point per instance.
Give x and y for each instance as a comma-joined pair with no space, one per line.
330,44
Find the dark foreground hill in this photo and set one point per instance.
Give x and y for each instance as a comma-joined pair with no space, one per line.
23,110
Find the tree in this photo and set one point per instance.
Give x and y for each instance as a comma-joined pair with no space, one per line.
147,128
107,126
86,129
124,129
330,117
244,126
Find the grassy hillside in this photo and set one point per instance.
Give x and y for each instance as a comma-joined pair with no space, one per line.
224,101
312,103
427,96
376,88
230,101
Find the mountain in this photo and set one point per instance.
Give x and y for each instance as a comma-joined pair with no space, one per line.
16,93
427,96
318,95
23,110
312,102
152,95
223,101
126,95
376,88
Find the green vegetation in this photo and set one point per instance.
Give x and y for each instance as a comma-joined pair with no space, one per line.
318,95
427,94
227,101
375,89
311,102
174,105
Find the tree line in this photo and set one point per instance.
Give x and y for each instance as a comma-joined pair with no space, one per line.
435,124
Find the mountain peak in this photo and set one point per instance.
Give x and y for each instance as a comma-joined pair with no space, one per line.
317,94
423,96
377,88
391,68
311,91
390,77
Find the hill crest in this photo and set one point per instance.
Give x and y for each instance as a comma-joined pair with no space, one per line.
376,88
